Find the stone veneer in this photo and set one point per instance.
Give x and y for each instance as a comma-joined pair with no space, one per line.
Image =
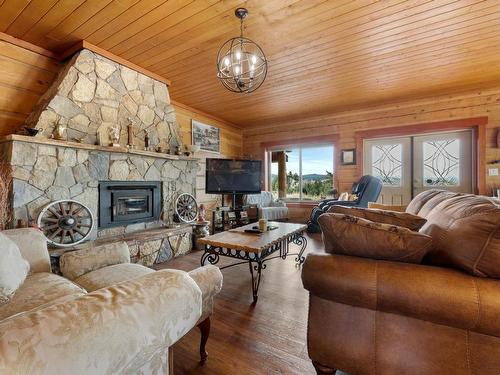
44,172
93,93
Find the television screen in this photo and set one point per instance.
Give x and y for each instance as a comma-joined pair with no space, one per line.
225,176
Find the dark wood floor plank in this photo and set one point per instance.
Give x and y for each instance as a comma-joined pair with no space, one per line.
266,339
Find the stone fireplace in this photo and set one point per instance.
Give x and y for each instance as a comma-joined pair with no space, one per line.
91,95
128,202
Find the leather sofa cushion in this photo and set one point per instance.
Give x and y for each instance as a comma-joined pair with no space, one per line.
111,275
39,290
443,296
350,235
402,219
465,229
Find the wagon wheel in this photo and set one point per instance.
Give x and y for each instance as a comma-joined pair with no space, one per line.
186,208
66,222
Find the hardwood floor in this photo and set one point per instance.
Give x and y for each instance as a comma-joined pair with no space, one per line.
269,338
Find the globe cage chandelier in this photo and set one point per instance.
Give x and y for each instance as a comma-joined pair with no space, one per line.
241,63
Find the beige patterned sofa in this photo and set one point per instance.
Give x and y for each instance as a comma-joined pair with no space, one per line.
122,318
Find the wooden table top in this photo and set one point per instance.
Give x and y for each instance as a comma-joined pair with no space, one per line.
238,239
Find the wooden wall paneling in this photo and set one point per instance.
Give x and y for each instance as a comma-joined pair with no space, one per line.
26,73
231,147
481,108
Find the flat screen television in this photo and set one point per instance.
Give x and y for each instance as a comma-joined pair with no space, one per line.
226,176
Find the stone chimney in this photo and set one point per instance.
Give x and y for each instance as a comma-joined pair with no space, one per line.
93,94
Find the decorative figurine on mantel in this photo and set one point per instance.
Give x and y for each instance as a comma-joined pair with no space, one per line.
146,141
114,135
130,132
59,132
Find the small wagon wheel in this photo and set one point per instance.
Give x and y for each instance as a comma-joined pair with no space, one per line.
186,208
66,222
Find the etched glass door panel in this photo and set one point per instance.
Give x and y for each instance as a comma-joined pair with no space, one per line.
389,160
443,161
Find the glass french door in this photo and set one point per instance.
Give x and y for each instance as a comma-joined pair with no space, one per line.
412,164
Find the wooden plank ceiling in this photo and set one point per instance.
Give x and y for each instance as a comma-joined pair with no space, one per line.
324,55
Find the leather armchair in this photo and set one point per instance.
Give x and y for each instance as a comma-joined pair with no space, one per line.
369,316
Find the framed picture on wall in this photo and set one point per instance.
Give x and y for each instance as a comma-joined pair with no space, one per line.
206,136
348,157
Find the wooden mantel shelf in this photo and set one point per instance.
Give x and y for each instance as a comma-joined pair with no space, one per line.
83,146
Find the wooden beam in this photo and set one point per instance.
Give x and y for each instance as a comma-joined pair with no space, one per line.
100,51
26,45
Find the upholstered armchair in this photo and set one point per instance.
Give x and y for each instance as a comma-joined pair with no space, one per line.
269,208
99,267
52,325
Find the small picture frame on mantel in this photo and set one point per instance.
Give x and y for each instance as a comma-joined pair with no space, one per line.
348,156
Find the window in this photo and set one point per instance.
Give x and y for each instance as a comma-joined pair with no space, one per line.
302,173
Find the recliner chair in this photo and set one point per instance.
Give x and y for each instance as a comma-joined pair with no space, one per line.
367,189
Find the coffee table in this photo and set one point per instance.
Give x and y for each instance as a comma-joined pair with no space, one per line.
255,248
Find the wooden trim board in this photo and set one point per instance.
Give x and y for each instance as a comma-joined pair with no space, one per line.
26,45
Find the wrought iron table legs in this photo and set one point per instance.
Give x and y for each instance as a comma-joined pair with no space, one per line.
256,278
256,261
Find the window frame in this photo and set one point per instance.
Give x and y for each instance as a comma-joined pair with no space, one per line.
281,147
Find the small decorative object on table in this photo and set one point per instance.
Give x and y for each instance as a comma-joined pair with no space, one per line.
263,225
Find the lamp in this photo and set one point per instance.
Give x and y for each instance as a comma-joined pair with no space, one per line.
241,63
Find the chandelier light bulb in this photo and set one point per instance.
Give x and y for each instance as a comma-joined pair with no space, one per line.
241,63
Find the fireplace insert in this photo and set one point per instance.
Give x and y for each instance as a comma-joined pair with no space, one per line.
128,202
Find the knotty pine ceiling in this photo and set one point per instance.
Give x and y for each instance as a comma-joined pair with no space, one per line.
324,55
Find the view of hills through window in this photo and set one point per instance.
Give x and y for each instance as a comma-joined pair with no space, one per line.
309,173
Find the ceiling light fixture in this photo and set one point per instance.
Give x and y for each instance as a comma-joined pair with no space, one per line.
241,63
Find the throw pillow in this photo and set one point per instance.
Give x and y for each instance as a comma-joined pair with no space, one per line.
401,219
13,268
350,235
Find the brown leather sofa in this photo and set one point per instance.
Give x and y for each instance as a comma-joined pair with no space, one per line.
442,317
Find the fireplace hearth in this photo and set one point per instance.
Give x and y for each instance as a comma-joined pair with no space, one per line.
128,202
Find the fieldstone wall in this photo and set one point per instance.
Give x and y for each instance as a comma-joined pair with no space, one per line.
93,94
44,173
